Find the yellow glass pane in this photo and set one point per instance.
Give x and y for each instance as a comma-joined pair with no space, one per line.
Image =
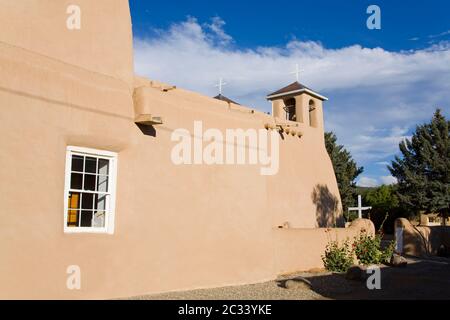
74,200
72,215
72,218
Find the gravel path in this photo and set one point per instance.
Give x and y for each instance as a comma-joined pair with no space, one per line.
421,279
272,290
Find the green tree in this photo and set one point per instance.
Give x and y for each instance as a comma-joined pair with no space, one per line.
385,207
423,171
345,169
382,198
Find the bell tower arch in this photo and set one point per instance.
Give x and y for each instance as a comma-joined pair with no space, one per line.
298,103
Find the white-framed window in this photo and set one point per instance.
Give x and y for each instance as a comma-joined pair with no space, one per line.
90,190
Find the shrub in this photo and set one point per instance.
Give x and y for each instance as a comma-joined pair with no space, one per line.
388,252
338,258
368,249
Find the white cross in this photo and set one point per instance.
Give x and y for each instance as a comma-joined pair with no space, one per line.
220,85
359,208
297,72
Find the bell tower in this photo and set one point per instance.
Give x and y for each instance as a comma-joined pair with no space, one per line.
298,103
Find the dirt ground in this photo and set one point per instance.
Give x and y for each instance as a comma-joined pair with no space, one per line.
421,279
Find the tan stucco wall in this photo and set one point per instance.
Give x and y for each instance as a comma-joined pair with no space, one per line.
103,44
422,241
305,247
177,227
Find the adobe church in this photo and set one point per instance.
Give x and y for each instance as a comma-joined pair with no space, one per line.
87,182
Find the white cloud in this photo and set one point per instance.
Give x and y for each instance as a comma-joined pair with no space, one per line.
367,182
442,34
189,49
376,96
376,182
388,180
216,26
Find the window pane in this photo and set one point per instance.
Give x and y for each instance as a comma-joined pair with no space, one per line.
99,219
77,163
91,165
87,201
74,200
73,217
100,202
86,219
89,182
76,181
103,167
102,184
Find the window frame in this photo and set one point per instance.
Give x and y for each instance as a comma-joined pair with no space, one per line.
112,178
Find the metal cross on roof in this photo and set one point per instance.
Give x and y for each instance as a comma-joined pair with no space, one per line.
220,85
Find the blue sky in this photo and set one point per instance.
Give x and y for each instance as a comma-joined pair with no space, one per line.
380,83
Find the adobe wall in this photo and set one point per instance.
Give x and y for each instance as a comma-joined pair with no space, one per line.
303,193
103,44
176,227
305,247
422,241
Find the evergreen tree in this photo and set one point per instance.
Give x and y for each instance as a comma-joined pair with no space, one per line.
345,169
423,171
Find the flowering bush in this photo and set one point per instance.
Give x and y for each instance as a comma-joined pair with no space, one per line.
366,248
338,258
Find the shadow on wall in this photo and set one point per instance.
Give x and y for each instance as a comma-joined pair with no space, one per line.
327,207
147,130
423,241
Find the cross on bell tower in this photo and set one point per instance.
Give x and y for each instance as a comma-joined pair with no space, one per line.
297,72
298,103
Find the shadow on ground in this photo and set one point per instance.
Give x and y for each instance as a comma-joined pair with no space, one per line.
421,279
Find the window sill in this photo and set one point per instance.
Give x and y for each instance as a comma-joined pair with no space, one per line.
87,230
